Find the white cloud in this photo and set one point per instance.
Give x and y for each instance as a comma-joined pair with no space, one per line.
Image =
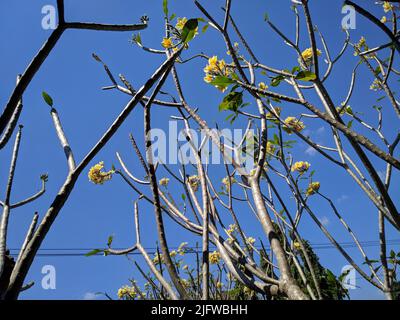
342,198
324,220
90,296
320,130
311,151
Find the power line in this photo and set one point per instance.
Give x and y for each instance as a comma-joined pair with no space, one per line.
80,252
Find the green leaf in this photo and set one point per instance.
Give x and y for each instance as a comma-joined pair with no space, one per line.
189,30
295,69
277,80
306,75
47,98
349,110
232,101
93,252
110,240
350,124
205,27
165,7
137,38
222,81
183,197
172,17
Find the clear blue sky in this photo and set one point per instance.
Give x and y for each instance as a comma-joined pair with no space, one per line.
73,79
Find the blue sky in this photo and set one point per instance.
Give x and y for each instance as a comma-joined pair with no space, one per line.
73,79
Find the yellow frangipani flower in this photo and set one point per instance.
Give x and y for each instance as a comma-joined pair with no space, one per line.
221,64
270,148
262,86
214,257
127,292
313,188
181,23
301,166
296,245
215,68
167,43
163,182
294,124
213,60
250,240
225,181
384,19
387,6
248,291
194,182
208,78
97,176
173,254
232,229
308,54
270,115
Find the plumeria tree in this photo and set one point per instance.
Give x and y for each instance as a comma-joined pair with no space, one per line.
264,178
285,267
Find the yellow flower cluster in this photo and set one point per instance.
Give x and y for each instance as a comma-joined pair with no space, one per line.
163,182
214,257
270,148
215,68
296,245
225,181
262,86
248,291
127,292
376,85
270,115
384,19
172,254
157,258
313,187
181,23
361,45
97,176
307,56
232,229
301,166
387,6
167,43
294,124
250,240
185,283
194,182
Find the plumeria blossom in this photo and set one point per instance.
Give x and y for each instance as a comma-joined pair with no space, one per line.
307,57
167,43
387,6
293,124
301,166
163,182
216,68
313,188
214,257
127,293
194,182
97,175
